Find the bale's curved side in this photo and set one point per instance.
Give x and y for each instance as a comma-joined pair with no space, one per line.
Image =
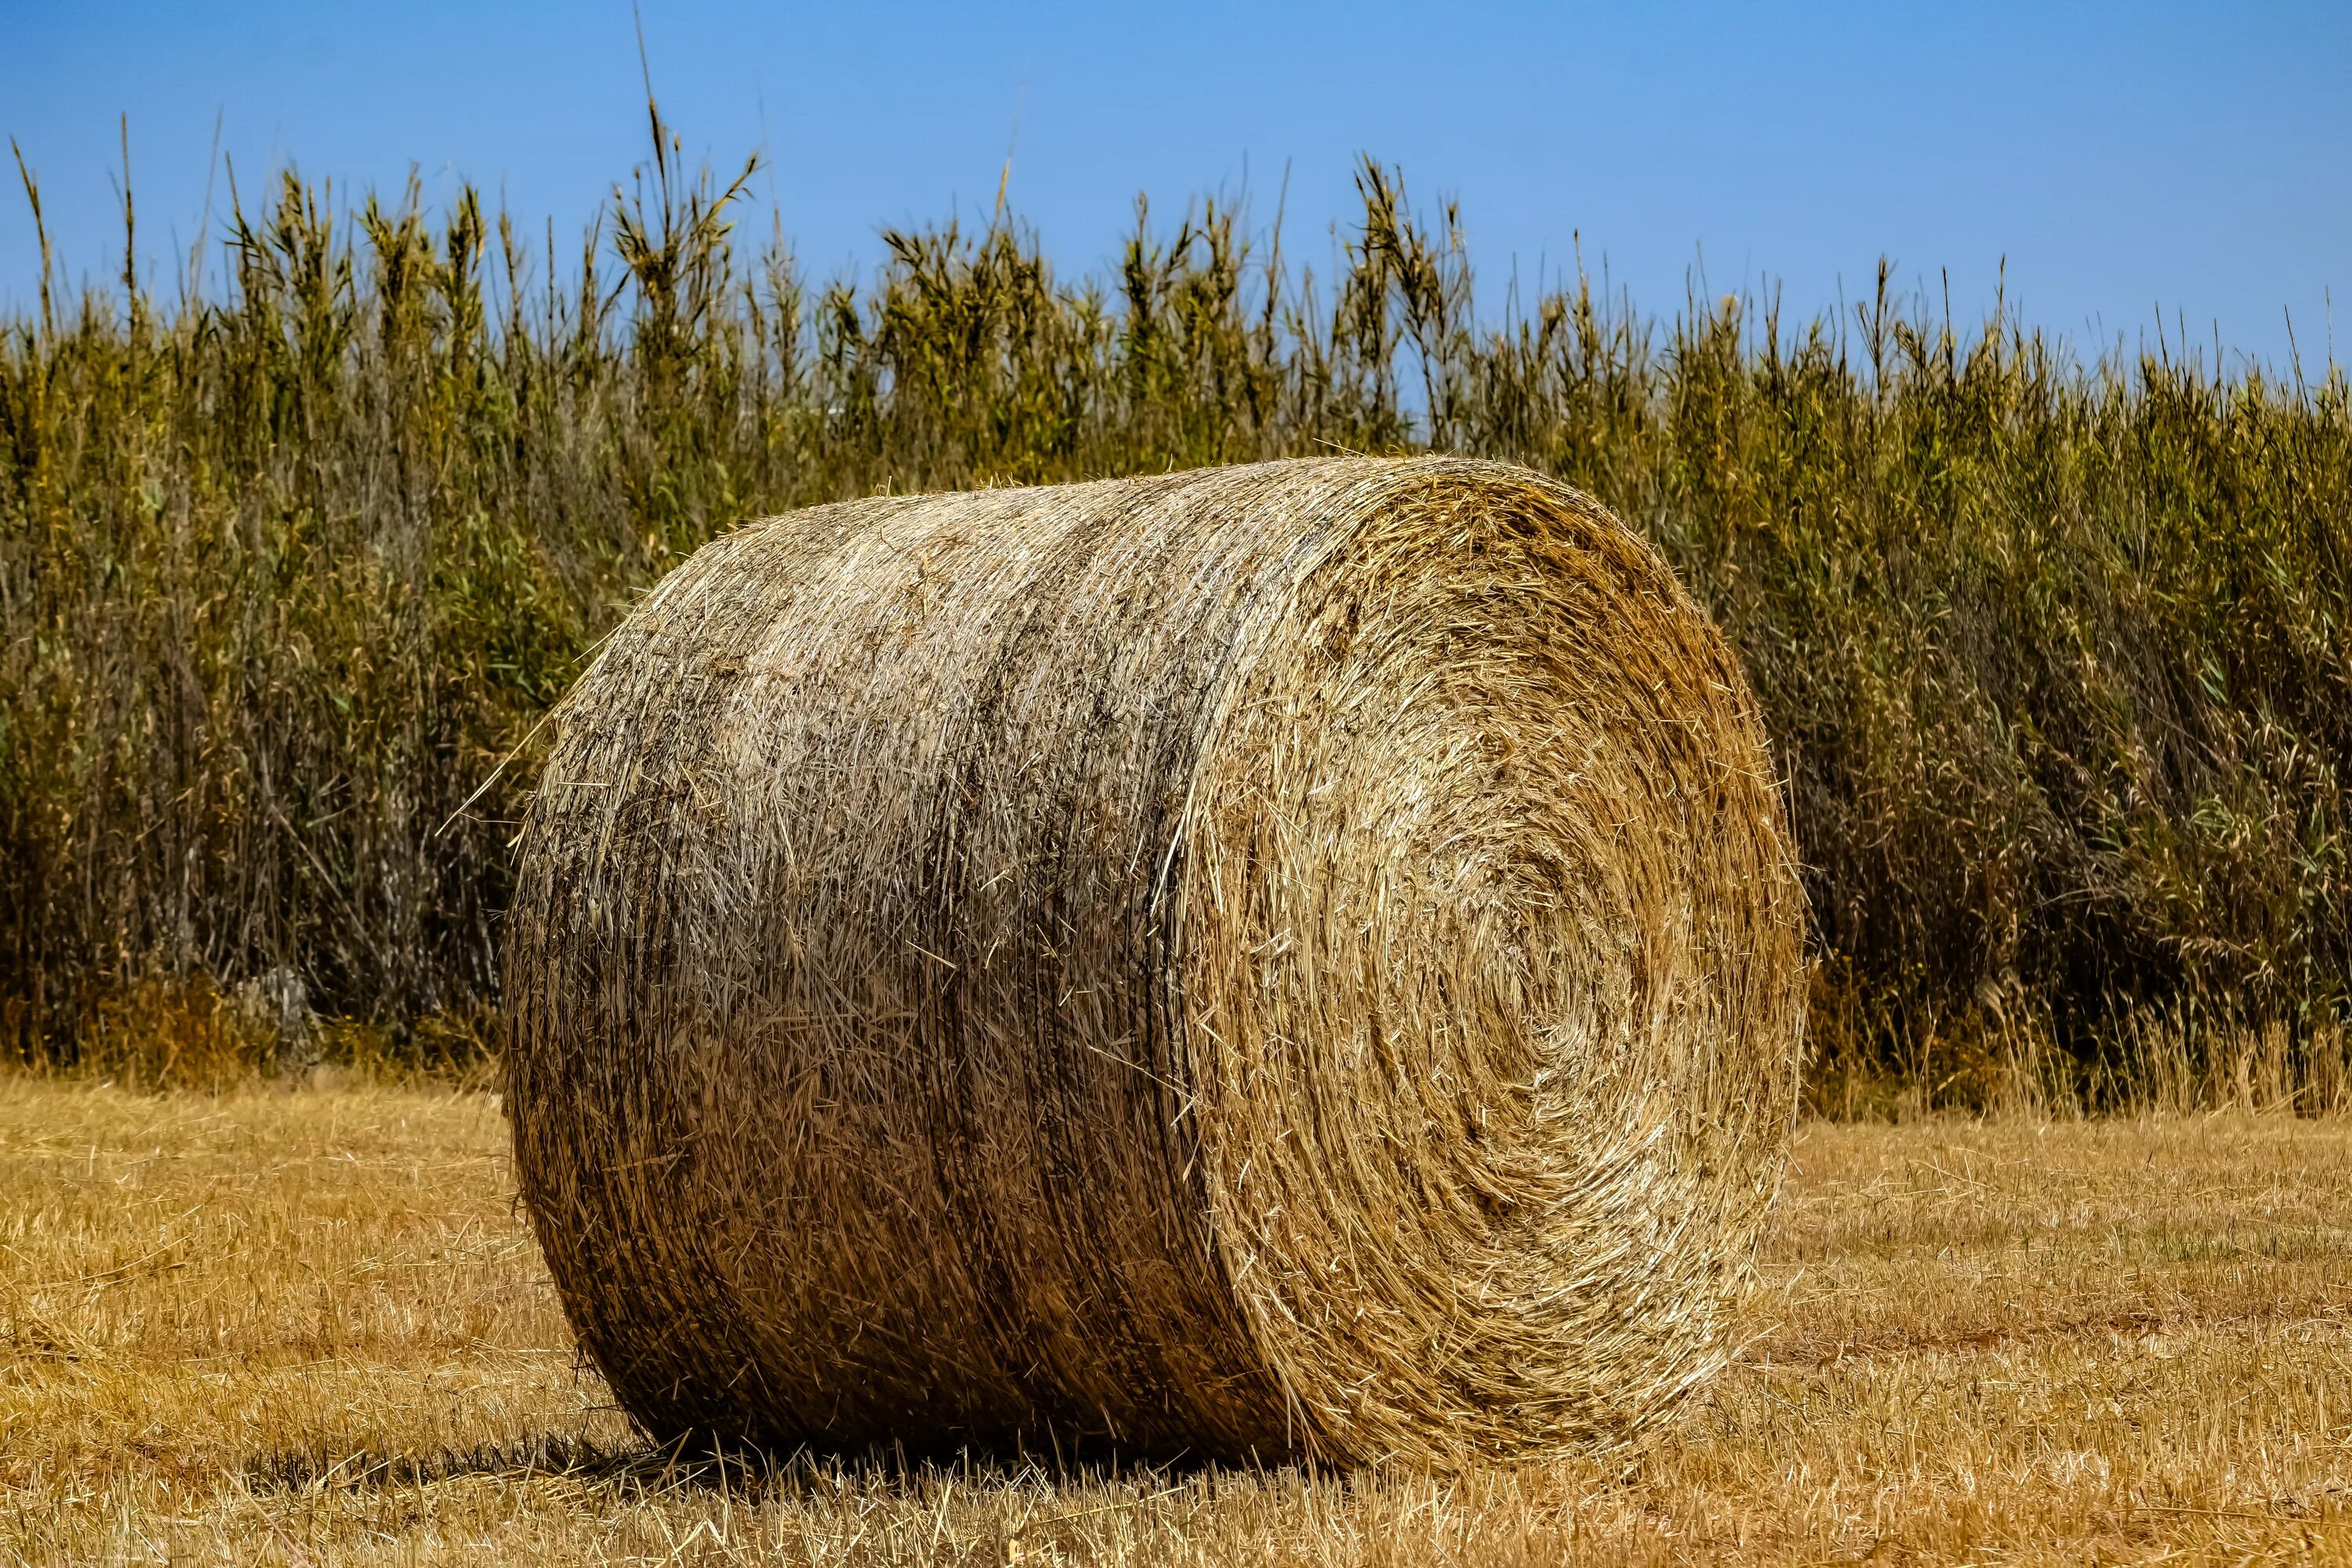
1298,958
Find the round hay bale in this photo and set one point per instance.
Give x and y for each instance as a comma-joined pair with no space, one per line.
1290,961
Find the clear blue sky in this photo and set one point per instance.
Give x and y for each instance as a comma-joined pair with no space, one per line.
2123,158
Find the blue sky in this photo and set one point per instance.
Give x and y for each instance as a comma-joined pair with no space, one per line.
2122,159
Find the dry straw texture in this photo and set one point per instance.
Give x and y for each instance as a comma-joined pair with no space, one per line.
1290,960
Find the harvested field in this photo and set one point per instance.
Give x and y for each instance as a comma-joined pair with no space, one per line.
308,1327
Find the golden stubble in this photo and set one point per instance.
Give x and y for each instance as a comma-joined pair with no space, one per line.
308,1327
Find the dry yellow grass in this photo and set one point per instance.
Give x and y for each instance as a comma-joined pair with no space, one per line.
308,1326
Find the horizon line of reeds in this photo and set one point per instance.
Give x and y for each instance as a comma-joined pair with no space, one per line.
2053,651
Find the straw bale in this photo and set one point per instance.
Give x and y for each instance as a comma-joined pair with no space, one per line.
1289,961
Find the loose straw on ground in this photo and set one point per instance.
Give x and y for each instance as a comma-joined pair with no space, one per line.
1290,961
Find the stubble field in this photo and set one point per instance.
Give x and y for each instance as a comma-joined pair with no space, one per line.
308,1327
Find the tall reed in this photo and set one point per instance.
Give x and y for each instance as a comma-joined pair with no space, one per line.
2054,653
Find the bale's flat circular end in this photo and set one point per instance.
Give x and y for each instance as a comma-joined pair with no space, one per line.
1299,959
1490,948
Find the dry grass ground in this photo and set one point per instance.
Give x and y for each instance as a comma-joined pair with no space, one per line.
308,1326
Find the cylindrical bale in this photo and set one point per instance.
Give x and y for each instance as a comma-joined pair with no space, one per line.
1289,961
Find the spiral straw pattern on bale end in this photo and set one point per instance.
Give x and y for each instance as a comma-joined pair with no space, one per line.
1299,959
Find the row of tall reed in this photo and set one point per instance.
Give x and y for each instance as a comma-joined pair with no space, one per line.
2054,652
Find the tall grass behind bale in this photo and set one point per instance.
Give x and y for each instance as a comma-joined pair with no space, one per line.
2059,673
2054,655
